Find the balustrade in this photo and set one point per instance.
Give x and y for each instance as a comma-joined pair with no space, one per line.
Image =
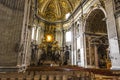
61,73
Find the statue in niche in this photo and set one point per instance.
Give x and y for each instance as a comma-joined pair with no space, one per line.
66,56
34,51
102,55
78,51
78,57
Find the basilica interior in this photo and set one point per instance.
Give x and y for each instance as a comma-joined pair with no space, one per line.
59,40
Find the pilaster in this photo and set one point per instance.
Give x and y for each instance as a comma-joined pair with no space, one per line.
112,35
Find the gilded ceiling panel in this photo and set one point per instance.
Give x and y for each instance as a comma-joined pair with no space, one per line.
55,10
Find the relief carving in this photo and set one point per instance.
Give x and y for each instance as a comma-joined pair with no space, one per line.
117,4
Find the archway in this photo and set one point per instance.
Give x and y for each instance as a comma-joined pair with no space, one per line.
97,54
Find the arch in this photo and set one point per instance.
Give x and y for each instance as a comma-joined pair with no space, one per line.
96,21
97,7
96,38
91,11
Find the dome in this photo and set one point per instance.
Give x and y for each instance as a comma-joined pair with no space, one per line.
55,10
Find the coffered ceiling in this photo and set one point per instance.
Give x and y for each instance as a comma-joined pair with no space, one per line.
55,10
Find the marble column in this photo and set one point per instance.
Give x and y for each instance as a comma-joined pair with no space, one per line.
117,17
96,57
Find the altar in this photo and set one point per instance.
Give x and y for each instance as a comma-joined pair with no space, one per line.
50,52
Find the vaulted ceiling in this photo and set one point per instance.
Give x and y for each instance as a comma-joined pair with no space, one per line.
96,22
55,10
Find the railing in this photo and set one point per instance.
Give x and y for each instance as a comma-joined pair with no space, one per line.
61,73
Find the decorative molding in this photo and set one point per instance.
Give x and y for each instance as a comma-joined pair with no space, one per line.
115,67
117,4
117,8
12,68
117,13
